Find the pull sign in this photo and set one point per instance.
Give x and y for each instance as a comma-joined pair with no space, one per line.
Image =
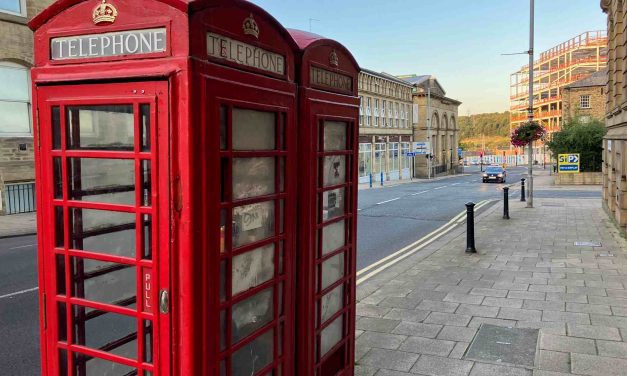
147,287
164,301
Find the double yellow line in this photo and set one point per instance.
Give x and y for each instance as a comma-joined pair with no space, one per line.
379,266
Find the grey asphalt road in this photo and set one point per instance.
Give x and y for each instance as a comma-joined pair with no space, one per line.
392,218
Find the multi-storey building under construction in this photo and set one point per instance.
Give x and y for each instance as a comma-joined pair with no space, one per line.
562,65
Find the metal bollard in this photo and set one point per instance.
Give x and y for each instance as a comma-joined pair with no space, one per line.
371,180
522,190
505,202
470,228
382,179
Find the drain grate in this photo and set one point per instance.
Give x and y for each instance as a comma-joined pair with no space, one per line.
588,244
497,344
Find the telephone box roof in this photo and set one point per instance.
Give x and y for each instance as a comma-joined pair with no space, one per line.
305,40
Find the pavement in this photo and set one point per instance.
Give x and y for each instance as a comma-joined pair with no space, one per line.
420,316
18,225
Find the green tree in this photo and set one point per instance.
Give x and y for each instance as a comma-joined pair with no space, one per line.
585,138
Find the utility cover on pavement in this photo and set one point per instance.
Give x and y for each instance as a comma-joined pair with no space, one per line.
497,344
588,244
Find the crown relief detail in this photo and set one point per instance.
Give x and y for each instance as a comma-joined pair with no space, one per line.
250,27
105,12
334,61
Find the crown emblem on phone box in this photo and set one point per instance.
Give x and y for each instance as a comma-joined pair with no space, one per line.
105,13
250,27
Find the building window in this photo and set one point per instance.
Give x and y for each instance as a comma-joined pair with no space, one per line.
584,101
376,112
383,113
405,160
361,111
365,159
15,7
378,164
14,100
393,155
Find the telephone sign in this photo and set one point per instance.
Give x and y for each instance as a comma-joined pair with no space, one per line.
568,163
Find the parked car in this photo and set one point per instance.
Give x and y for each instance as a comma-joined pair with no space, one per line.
495,173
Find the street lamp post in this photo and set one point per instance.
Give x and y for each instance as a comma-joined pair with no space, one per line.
530,114
430,148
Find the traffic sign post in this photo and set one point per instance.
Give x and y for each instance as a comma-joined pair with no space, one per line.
568,164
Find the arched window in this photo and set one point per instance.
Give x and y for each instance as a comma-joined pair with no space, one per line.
15,114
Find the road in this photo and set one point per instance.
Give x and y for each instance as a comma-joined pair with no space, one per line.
389,219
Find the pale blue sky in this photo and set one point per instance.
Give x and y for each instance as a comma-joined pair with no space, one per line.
458,41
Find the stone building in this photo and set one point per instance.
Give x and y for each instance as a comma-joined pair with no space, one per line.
585,98
444,132
385,127
16,123
615,144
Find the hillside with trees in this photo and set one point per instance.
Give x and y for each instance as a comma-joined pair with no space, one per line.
488,131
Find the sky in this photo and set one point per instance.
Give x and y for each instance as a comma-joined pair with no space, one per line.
458,41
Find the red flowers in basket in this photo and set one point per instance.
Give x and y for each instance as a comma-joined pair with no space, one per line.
526,133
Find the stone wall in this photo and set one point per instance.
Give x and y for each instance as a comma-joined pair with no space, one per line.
571,102
584,178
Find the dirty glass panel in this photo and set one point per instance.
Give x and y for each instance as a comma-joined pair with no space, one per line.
253,130
63,369
331,335
85,365
253,177
59,231
223,121
104,282
58,177
107,127
334,135
103,231
144,111
252,223
333,236
60,260
105,331
62,321
332,302
148,337
332,270
252,268
223,330
102,180
147,237
56,128
146,174
251,314
254,356
334,170
333,204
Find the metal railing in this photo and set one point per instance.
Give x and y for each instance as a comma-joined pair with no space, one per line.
19,198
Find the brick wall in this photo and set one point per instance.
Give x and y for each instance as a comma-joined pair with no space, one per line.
571,102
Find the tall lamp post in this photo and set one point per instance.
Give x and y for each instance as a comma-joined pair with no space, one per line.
430,148
530,114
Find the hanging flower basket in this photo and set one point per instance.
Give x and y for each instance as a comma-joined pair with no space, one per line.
527,132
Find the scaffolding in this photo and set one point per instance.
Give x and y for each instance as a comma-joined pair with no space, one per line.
562,65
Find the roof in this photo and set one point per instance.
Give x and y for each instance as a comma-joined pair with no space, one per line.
598,78
387,76
420,80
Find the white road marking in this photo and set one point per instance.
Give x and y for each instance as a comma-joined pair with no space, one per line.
456,184
24,246
19,293
444,186
385,202
419,193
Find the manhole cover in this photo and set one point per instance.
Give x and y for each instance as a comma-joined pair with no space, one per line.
588,244
497,344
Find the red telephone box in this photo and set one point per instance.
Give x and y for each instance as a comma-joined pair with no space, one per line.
167,152
328,150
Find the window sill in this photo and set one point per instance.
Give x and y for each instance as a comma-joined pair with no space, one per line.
13,18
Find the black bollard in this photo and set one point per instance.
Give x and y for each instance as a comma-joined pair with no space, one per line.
505,202
522,190
470,229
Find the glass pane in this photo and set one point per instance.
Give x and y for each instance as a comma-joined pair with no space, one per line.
144,111
223,126
62,321
147,240
332,302
104,282
146,183
253,130
334,170
332,270
253,177
102,231
87,366
251,314
56,128
222,230
108,127
15,84
331,335
102,180
333,237
223,330
254,356
252,223
60,260
58,178
281,174
59,224
105,331
334,135
63,370
252,268
15,117
222,280
333,204
148,338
